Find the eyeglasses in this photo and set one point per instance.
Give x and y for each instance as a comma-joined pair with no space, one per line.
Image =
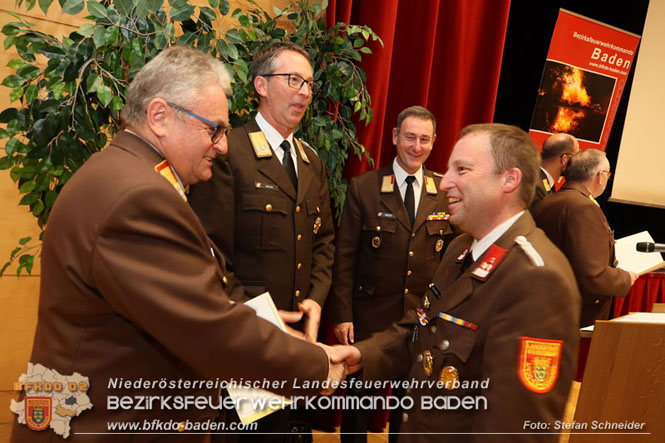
296,82
220,130
609,174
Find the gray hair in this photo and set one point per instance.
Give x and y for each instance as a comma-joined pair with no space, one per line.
585,165
265,61
177,74
556,145
418,112
511,147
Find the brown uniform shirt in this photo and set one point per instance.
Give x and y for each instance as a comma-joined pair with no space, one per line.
382,264
277,238
510,300
577,225
131,290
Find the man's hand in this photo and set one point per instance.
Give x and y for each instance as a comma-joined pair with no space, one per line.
344,332
312,312
633,277
336,371
350,355
291,317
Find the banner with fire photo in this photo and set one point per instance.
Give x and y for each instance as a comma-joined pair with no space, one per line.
585,73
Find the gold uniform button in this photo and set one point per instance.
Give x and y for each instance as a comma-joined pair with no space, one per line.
596,301
413,234
299,266
225,280
409,272
406,291
433,329
268,207
378,228
410,253
297,293
405,417
299,237
298,208
445,344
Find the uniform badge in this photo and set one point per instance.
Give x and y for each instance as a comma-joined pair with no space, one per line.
427,363
449,376
165,170
462,256
376,241
260,144
426,302
388,183
38,412
259,185
546,182
422,316
317,225
490,261
430,186
388,215
439,245
301,150
538,363
438,216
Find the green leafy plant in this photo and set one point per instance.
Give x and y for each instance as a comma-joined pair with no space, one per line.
68,92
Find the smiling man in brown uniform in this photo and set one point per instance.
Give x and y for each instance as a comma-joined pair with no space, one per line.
504,308
132,287
383,259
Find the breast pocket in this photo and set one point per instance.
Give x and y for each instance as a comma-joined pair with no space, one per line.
379,234
449,347
435,242
262,219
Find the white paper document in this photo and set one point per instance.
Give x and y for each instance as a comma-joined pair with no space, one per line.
632,260
248,401
642,317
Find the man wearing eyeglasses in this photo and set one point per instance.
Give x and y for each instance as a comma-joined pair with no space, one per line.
393,232
133,290
557,150
573,220
267,206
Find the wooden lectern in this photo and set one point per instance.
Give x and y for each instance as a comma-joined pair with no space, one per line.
623,391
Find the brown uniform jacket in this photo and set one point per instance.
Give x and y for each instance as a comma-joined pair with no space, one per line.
277,239
382,264
579,228
542,191
130,290
516,299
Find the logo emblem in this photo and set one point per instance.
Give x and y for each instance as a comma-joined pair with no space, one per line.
38,412
538,365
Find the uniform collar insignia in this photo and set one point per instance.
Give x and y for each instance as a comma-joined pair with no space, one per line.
387,184
491,260
166,170
430,186
301,150
260,144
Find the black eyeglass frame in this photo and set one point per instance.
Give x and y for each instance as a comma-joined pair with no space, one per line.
313,87
220,130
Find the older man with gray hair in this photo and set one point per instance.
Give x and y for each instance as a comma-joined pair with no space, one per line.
132,288
573,220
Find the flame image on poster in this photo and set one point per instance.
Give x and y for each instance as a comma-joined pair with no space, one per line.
573,101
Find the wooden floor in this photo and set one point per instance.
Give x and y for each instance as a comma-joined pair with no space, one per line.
569,414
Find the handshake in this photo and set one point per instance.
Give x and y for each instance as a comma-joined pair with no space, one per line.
342,361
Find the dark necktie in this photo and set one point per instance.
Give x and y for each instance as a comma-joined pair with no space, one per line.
409,199
287,162
466,263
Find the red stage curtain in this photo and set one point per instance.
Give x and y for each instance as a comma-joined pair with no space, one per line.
647,290
441,54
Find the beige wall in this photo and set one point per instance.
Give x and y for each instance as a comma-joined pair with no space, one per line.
19,295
